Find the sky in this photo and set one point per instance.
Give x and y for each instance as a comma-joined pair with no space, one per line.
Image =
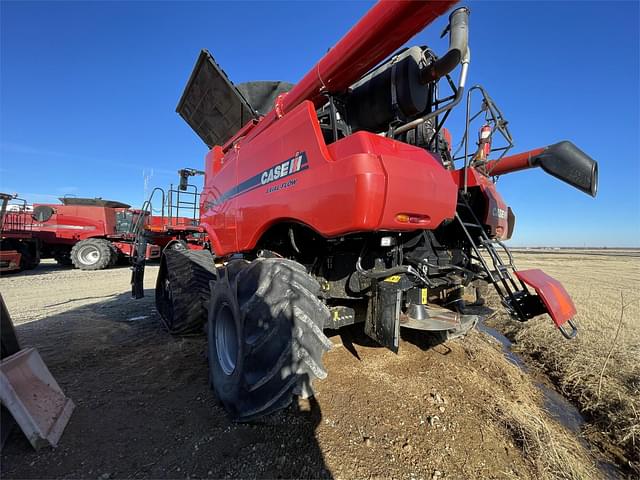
88,92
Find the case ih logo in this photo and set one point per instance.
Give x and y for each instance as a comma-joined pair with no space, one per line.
282,170
286,168
499,212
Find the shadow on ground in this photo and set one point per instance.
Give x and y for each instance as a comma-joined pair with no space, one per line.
353,337
144,407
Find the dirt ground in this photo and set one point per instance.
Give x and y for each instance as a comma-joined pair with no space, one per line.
144,408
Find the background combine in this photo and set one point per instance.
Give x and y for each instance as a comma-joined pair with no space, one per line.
88,233
343,200
92,233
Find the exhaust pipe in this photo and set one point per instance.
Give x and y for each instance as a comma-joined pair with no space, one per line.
458,43
562,160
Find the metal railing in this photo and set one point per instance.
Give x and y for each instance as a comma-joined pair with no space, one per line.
183,204
492,116
14,216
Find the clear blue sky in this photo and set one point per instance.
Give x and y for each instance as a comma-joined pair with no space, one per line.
88,92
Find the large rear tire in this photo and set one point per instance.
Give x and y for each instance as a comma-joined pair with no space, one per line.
182,289
91,254
265,340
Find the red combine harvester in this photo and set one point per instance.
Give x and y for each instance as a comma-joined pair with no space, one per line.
19,249
341,200
89,233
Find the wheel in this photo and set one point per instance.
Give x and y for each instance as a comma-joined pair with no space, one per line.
91,254
182,289
265,340
177,245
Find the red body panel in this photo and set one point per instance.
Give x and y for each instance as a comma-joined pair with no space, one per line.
496,216
126,248
553,294
10,260
157,223
72,223
162,230
359,183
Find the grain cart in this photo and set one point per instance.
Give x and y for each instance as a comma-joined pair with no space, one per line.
344,201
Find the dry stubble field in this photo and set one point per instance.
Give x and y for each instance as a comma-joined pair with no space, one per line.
600,369
454,410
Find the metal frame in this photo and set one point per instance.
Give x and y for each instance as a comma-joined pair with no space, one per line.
192,206
494,117
14,222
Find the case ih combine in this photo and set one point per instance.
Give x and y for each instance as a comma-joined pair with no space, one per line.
89,233
341,200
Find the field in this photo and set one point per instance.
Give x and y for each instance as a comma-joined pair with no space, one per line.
434,411
600,369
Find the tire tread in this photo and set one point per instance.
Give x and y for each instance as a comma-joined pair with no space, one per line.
190,273
286,357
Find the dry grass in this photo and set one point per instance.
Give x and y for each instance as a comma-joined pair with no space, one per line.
555,454
515,404
600,370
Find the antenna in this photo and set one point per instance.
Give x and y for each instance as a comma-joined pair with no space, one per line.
147,174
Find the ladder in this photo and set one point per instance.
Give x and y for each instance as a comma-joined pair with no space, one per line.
514,294
139,250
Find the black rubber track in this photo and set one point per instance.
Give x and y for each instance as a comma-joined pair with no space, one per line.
182,289
274,306
103,246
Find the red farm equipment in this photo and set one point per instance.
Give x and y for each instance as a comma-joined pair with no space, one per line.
341,200
89,233
176,223
19,248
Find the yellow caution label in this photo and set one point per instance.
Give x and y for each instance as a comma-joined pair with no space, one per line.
393,279
423,296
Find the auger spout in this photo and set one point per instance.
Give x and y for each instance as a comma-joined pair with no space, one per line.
562,160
